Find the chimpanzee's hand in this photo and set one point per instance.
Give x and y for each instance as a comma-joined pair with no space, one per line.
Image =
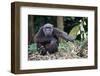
42,50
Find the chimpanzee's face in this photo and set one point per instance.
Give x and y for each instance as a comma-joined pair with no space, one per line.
48,29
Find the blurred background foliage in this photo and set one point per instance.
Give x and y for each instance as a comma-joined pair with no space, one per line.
74,26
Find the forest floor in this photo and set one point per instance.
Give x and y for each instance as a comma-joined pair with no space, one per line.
67,50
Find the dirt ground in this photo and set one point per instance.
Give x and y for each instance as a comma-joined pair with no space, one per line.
58,55
69,51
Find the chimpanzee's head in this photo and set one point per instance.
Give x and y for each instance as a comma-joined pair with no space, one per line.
48,29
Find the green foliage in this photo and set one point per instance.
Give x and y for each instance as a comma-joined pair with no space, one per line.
74,31
80,29
65,46
62,45
32,48
69,18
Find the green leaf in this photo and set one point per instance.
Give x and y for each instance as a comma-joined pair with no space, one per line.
74,31
32,47
85,23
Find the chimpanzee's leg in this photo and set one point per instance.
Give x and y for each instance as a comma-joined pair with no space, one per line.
52,47
41,49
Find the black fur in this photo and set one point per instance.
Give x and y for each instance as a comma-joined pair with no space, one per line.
50,43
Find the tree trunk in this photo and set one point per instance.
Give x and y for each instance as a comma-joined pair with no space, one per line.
30,28
60,22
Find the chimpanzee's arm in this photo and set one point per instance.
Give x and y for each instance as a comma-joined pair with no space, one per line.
63,35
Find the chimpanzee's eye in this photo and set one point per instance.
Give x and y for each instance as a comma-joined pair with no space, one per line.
48,27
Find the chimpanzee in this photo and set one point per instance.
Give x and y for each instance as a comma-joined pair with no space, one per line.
47,39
